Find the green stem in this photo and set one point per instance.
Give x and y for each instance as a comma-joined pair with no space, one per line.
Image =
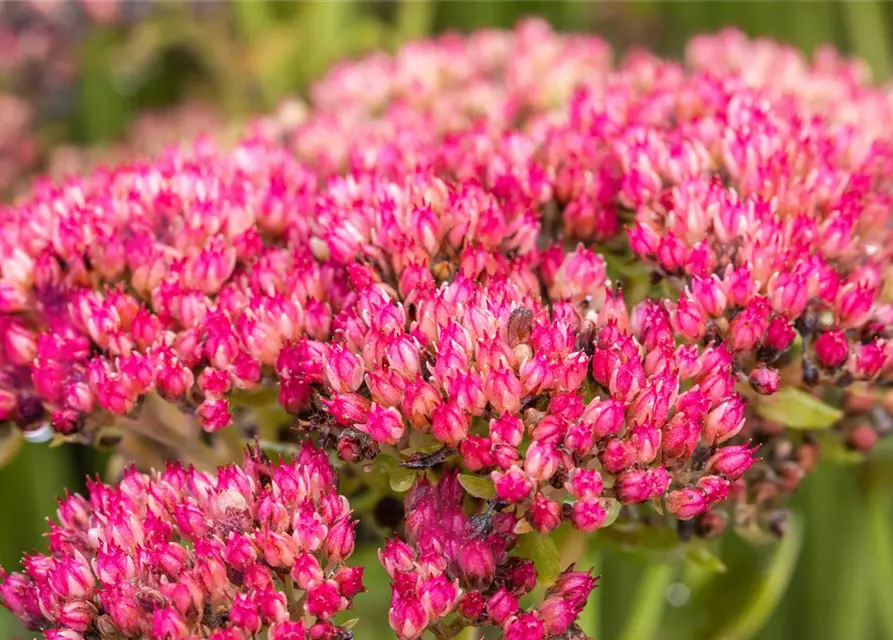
648,603
414,18
769,591
590,619
867,33
880,527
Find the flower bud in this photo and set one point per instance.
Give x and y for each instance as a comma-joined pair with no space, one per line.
732,461
544,514
588,515
687,503
408,617
501,605
512,486
831,349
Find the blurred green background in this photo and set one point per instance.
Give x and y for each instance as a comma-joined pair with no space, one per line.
110,66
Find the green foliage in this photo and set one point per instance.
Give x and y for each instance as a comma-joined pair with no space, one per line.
542,550
797,409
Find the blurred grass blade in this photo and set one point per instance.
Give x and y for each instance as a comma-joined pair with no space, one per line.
415,19
590,618
769,590
254,17
867,34
881,536
648,603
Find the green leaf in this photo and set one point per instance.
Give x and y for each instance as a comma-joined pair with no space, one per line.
795,408
478,486
350,624
402,479
542,550
768,592
834,450
613,507
700,555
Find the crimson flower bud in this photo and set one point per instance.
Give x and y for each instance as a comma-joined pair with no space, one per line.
244,614
78,615
634,485
397,556
715,488
477,564
408,617
605,416
618,455
288,631
168,625
471,606
501,605
307,570
544,514
557,614
831,349
438,595
585,483
350,581
780,334
339,543
732,461
324,600
476,453
688,320
526,626
344,370
765,380
384,425
512,486
450,424
588,515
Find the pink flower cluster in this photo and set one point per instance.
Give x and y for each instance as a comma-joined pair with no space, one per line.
415,273
451,562
184,554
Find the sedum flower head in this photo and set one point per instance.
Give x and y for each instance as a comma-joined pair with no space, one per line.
186,554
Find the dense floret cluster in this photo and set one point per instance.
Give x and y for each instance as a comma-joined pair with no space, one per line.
581,284
184,554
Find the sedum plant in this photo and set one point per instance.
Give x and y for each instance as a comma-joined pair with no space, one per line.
527,286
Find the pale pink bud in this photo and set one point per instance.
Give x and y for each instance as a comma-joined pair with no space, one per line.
344,370
384,425
450,424
686,503
725,421
408,617
541,461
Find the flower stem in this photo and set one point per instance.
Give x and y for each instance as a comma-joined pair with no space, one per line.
589,620
769,591
648,604
880,524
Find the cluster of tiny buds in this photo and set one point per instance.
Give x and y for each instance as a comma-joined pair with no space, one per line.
184,554
414,272
455,571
